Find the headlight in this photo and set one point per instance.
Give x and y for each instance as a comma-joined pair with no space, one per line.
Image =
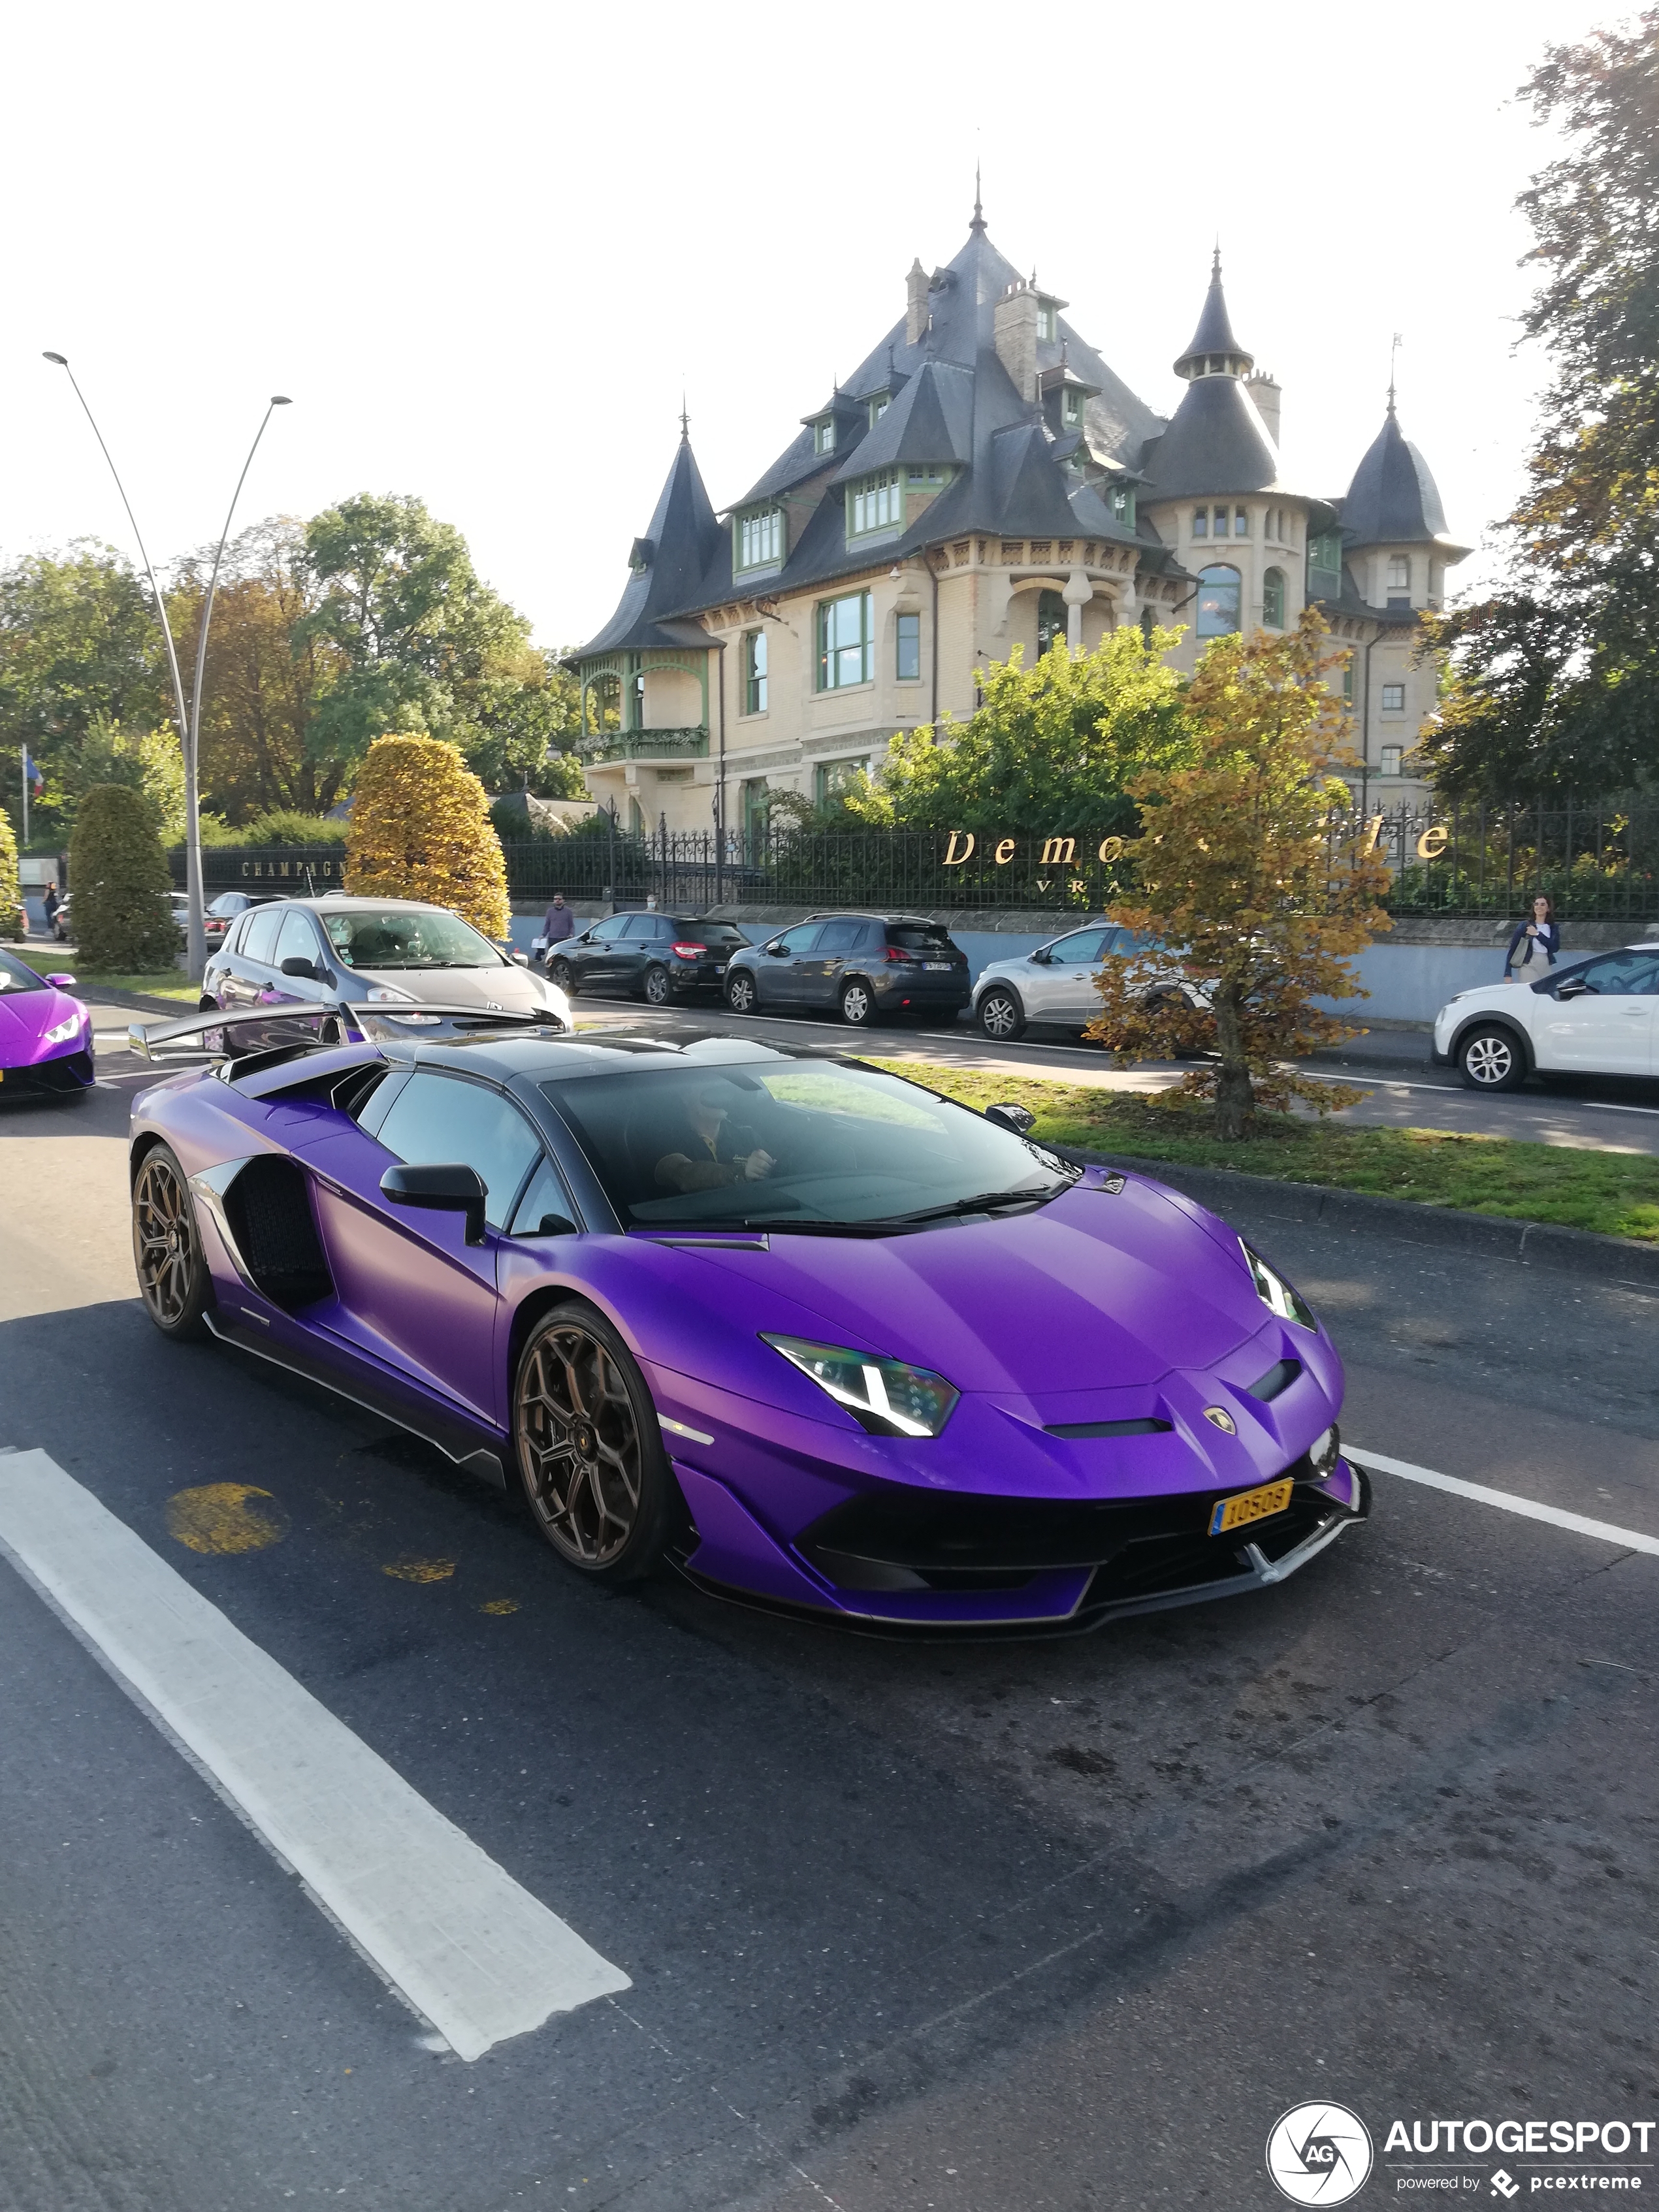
883,1396
556,1001
384,994
1275,1293
64,1030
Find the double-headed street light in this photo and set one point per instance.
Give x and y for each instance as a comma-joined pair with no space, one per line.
190,719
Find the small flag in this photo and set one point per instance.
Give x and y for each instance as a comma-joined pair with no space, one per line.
31,773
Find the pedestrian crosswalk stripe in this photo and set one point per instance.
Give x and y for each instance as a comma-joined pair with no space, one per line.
464,1944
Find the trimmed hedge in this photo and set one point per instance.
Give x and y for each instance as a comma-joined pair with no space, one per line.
120,883
421,829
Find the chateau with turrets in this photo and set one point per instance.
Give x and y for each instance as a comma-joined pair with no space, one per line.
984,480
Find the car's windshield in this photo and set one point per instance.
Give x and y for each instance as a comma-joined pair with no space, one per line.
801,1146
15,977
427,938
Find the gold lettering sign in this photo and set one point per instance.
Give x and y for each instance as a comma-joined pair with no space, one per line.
965,838
1374,828
1059,851
1432,844
1110,847
1004,852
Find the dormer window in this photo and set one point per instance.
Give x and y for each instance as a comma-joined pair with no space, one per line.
1072,407
759,541
1123,506
1047,322
823,434
879,407
875,502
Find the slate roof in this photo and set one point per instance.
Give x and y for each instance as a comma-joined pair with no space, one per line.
1214,334
671,560
1393,500
953,404
1216,442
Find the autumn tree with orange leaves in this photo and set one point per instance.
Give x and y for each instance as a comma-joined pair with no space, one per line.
1253,907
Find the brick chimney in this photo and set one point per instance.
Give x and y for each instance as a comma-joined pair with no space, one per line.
915,317
1267,395
1015,328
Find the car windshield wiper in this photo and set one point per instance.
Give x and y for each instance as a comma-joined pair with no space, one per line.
982,1204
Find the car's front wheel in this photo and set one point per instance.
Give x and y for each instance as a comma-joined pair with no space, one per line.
1490,1059
166,1247
589,1449
741,992
657,989
1001,1016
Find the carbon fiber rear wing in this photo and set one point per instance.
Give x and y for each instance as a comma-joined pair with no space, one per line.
218,1036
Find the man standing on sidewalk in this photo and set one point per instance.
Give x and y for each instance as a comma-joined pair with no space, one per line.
560,924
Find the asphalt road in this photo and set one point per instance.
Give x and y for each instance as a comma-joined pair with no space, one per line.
1009,1928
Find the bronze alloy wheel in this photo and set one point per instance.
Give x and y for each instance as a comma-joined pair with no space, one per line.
172,1276
590,1455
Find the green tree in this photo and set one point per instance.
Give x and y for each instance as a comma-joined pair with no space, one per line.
1240,889
1555,674
422,644
118,877
79,649
1052,747
148,762
528,718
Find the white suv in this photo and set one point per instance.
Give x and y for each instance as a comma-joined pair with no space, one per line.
1056,983
1599,1016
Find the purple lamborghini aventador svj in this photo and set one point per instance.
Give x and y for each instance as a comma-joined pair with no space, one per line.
810,1333
46,1037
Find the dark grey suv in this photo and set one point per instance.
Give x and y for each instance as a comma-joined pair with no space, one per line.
857,965
656,957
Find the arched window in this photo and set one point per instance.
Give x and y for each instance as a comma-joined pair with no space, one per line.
1273,598
1051,621
1218,602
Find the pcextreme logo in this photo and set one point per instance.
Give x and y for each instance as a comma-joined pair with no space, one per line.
1319,2154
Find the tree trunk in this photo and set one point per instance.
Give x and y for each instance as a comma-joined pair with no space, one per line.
1235,1096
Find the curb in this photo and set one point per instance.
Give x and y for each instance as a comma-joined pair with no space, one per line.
1527,1243
139,1001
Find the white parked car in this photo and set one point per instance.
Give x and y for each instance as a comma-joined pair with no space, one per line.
1596,1017
1056,983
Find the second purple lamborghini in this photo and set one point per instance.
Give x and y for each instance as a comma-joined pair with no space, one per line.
816,1335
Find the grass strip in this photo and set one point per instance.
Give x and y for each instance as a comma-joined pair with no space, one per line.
172,984
1615,1193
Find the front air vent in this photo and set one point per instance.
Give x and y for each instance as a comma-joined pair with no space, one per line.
1148,1427
1276,1382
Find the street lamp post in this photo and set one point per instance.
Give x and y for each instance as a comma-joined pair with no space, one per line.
189,721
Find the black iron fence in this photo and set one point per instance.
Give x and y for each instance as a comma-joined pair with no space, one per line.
1594,861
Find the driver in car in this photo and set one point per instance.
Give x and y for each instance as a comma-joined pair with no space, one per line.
714,1152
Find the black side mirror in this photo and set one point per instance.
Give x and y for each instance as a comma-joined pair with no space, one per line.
775,948
1041,955
1019,1118
296,965
446,1187
1574,987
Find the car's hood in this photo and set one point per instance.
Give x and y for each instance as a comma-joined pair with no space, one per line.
1091,1291
25,1018
512,990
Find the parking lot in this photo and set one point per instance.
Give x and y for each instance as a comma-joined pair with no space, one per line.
1050,1924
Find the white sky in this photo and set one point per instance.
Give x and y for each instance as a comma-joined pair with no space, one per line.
481,245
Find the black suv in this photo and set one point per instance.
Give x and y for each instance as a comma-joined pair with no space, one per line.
858,965
656,957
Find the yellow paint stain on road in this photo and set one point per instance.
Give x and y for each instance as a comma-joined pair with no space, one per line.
223,1519
499,1605
419,1571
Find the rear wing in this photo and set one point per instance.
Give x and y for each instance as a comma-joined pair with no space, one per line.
213,1036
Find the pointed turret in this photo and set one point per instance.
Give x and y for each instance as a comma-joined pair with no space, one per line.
1394,499
1213,350
668,563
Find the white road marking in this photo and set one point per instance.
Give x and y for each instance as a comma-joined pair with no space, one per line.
1458,1090
1630,1540
451,1930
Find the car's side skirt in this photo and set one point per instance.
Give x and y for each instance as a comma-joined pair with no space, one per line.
453,1438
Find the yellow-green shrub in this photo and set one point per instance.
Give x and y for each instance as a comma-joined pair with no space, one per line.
421,829
11,902
119,881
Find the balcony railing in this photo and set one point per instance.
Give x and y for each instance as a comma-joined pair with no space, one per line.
645,745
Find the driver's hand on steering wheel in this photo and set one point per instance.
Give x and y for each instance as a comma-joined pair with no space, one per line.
757,1164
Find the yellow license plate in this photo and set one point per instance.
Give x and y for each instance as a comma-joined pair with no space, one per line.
1250,1505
